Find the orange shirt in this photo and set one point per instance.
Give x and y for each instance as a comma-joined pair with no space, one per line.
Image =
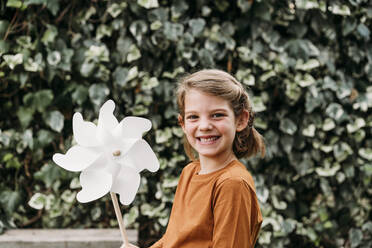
215,210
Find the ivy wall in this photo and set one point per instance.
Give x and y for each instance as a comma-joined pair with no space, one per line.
306,63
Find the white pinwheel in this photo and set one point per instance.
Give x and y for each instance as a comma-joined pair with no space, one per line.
109,154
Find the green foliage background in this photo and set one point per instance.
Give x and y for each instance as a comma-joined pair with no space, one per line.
308,68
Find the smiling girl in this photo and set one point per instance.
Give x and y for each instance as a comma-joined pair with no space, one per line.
215,204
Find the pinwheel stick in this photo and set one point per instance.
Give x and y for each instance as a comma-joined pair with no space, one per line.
119,217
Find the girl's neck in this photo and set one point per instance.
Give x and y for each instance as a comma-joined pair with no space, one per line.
209,165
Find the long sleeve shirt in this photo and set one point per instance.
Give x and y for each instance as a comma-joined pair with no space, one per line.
215,210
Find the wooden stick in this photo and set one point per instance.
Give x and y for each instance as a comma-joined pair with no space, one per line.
119,217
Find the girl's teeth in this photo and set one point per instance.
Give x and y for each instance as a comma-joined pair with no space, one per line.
208,139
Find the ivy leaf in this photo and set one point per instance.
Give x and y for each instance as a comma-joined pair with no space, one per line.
10,200
37,201
288,126
131,216
55,120
25,115
80,94
49,35
364,31
134,53
48,174
355,237
197,26
98,93
13,60
4,24
162,136
148,4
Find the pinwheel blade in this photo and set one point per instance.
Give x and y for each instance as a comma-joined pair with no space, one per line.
141,156
133,127
95,183
84,131
126,184
106,118
77,158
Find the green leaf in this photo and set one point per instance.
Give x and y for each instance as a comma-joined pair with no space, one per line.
340,9
52,5
11,161
55,120
16,4
27,139
358,124
197,26
44,138
309,131
4,47
133,73
25,115
98,93
162,136
102,31
38,201
148,4
13,60
49,35
48,174
328,124
288,126
80,94
328,172
348,26
39,100
341,151
292,91
355,237
97,54
173,31
131,216
139,110
4,24
54,58
95,213
308,65
149,83
258,104
115,9
134,53
68,196
120,76
244,5
87,69
335,111
363,31
10,201
365,153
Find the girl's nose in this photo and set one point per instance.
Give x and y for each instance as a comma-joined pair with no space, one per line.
205,125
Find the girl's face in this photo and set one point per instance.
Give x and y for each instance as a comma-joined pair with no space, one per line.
210,125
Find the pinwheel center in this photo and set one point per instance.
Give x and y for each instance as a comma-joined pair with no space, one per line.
116,153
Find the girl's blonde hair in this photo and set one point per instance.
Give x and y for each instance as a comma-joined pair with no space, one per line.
247,142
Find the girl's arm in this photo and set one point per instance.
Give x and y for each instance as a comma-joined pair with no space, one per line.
237,218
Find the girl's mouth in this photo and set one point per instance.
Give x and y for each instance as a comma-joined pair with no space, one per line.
208,140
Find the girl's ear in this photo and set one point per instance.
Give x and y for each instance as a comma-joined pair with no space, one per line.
242,121
180,122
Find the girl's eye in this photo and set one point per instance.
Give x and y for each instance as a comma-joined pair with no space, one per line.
217,115
192,117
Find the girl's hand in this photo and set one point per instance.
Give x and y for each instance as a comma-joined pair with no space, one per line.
128,246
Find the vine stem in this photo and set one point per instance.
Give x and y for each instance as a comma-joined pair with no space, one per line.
119,217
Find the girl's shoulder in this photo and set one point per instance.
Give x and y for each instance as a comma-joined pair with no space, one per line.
236,174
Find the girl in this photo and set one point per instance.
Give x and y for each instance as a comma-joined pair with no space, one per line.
215,204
